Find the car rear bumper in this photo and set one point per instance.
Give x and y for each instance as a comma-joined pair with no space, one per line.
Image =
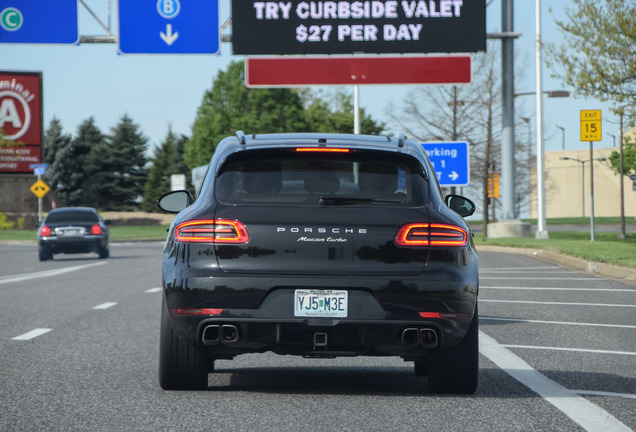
73,245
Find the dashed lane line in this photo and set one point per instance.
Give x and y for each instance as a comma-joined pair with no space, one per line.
47,273
557,303
32,334
589,416
487,318
105,305
508,288
154,290
582,350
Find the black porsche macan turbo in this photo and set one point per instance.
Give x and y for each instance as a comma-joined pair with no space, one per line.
320,245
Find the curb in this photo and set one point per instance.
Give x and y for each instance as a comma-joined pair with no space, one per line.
610,271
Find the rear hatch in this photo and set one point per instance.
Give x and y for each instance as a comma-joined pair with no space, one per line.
321,212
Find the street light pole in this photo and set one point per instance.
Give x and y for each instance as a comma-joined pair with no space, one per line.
542,232
507,131
563,143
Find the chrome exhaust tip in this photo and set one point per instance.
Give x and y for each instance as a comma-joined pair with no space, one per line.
211,335
428,338
229,333
410,337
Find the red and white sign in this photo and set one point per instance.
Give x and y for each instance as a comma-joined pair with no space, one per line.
304,71
20,120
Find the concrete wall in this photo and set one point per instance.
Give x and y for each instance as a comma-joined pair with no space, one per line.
567,195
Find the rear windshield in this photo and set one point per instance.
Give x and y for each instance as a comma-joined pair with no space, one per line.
72,216
291,178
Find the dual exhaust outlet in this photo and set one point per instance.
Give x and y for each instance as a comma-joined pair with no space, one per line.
415,337
227,334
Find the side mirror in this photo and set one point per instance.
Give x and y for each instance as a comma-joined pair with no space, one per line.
175,201
460,205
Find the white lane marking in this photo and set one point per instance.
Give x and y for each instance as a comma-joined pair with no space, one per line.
569,349
105,305
154,290
589,416
565,278
557,303
47,273
32,334
600,393
521,268
556,289
556,322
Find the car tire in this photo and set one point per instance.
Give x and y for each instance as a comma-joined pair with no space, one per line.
104,253
44,254
422,367
455,370
182,366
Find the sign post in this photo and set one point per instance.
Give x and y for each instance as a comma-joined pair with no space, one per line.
591,131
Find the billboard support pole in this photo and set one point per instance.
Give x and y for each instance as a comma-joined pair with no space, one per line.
356,109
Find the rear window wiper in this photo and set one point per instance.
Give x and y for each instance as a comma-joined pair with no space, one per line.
347,201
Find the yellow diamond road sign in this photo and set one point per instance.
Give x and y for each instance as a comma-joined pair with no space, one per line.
39,188
591,125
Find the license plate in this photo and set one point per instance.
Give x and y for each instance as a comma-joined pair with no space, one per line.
72,233
321,303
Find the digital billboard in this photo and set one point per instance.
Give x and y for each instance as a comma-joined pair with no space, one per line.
348,27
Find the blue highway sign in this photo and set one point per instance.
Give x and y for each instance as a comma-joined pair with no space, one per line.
38,21
168,27
450,161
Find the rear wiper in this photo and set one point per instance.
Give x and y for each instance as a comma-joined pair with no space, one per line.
347,201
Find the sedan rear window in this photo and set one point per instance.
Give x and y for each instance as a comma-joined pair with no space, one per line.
290,178
73,216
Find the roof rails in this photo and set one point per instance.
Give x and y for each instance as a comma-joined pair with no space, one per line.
401,139
240,136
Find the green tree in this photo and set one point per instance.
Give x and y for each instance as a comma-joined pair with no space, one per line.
229,106
117,166
598,52
70,170
53,142
629,158
332,112
167,160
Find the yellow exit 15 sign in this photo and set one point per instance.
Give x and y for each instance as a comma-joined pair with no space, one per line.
591,125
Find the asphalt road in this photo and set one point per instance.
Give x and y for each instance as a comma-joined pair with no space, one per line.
79,341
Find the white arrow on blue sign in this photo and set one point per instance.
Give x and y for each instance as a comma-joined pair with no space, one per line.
168,27
450,161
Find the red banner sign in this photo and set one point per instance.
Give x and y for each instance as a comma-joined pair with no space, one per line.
20,120
302,71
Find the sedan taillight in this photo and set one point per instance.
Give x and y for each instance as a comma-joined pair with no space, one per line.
212,231
96,229
424,234
45,231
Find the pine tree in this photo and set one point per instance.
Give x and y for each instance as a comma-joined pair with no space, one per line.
74,181
162,166
119,167
53,143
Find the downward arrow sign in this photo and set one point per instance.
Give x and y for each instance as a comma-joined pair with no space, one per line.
169,37
453,176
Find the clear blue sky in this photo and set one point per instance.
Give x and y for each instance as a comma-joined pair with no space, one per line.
158,90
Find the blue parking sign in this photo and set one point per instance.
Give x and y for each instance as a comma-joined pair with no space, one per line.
450,161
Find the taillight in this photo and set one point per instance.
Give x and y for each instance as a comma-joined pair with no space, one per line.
212,231
196,311
45,231
96,229
447,315
322,150
424,234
